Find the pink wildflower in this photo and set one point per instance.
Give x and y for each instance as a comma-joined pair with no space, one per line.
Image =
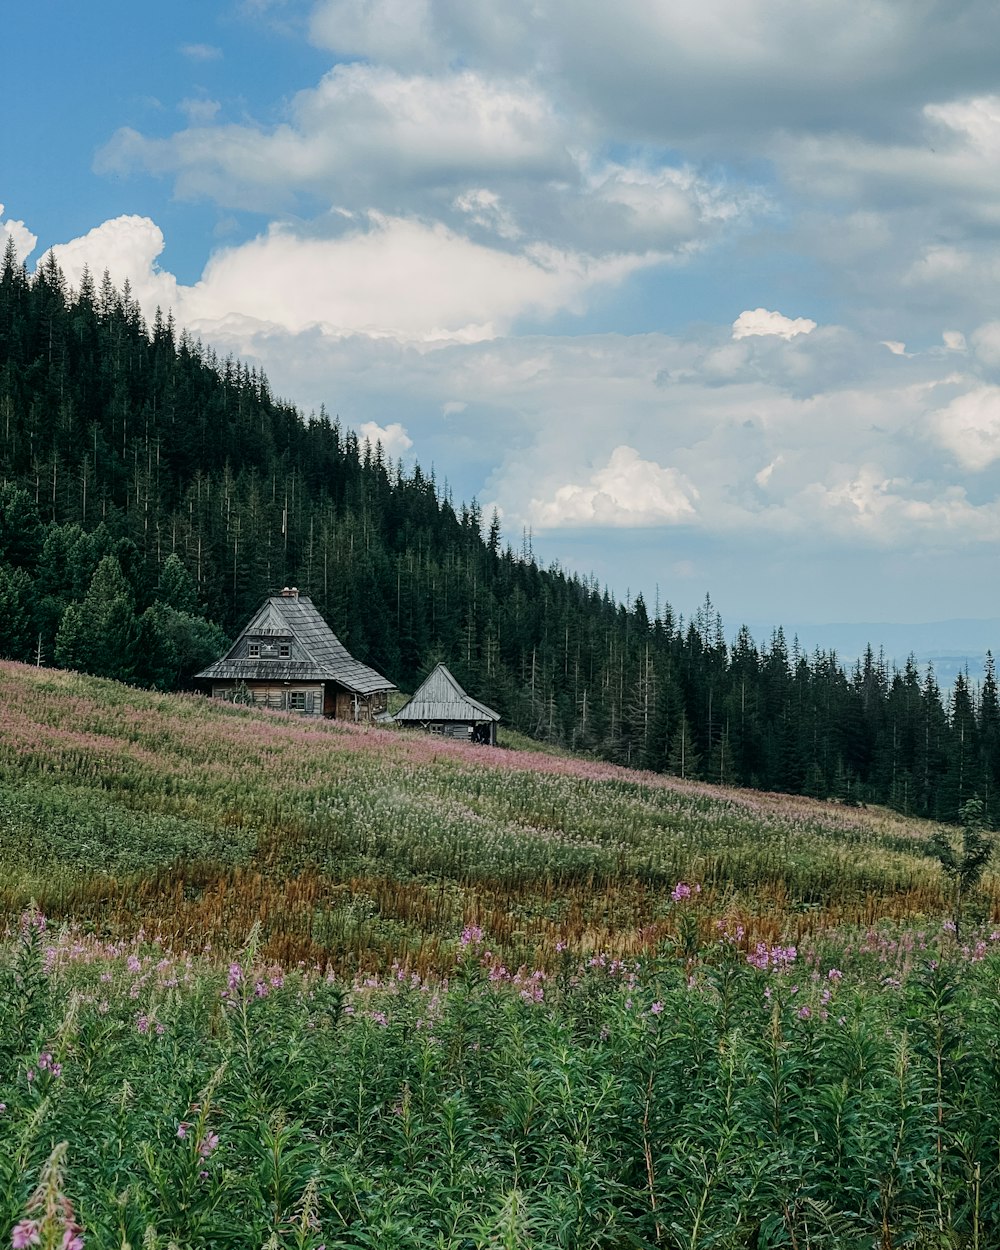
208,1144
25,1234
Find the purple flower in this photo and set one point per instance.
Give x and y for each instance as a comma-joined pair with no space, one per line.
25,1234
32,920
208,1144
235,975
656,1008
472,935
182,1129
142,1023
72,1239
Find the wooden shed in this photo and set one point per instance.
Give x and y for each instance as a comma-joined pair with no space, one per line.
289,658
441,706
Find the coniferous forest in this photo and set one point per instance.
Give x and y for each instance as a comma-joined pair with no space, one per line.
153,493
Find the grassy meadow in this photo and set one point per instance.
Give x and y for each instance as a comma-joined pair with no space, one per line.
358,847
269,983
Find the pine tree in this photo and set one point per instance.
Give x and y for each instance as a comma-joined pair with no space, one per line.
17,624
176,587
101,634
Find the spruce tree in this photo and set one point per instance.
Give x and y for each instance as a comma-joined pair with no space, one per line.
101,634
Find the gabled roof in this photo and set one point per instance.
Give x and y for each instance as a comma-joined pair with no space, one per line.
441,698
316,653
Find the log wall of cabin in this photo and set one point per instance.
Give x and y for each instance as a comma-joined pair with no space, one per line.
277,697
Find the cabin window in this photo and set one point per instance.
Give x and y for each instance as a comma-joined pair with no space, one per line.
284,650
253,650
297,701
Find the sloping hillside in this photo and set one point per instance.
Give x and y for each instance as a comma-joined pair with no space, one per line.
121,807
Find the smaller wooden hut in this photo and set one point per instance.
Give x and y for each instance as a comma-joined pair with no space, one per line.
441,706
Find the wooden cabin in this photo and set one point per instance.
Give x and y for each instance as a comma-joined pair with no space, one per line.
288,658
441,706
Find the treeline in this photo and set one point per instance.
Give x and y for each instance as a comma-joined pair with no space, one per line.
154,493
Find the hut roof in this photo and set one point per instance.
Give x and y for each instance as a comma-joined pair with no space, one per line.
441,698
315,651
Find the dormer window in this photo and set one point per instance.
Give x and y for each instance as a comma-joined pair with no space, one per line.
284,650
253,650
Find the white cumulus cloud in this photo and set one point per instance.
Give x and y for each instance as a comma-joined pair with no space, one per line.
22,237
393,437
627,492
127,247
391,277
759,321
969,427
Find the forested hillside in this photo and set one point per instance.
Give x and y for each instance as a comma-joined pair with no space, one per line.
153,493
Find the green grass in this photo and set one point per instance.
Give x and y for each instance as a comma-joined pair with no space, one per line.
847,1097
360,846
307,985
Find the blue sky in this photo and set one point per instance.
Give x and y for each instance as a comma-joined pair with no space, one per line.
703,295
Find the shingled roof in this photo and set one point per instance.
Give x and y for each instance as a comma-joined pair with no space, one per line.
441,698
316,653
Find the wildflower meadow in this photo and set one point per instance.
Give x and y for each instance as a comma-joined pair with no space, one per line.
272,984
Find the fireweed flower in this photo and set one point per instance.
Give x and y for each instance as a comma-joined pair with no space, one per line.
25,1234
208,1144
